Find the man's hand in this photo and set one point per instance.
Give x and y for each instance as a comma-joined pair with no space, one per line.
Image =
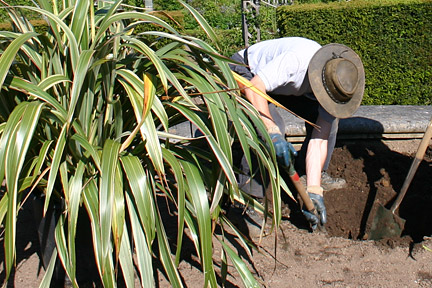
312,219
321,218
285,151
318,202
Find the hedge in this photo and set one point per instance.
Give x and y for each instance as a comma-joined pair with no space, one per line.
393,38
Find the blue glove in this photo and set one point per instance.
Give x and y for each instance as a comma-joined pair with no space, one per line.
313,219
284,150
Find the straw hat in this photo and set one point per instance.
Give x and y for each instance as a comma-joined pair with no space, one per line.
337,78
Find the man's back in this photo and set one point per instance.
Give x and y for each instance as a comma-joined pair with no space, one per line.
282,63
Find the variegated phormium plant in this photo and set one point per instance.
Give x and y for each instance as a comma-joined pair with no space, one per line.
85,117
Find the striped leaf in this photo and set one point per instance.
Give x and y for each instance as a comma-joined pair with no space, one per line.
221,157
9,54
54,169
200,204
246,276
126,259
142,194
171,160
142,249
14,145
109,161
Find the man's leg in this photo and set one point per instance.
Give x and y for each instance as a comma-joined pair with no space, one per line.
331,143
309,110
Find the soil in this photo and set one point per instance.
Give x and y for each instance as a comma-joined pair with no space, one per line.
340,257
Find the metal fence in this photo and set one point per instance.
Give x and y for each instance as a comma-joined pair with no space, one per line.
250,12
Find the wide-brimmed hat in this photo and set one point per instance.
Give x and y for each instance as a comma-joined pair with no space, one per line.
337,78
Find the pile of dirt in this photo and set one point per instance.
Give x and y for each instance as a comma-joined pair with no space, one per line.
375,175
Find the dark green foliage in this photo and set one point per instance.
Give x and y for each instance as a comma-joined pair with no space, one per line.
169,5
39,26
222,14
231,40
4,17
392,38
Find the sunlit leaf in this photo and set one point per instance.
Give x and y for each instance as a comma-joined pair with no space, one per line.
224,162
143,253
246,276
126,259
46,280
56,161
106,201
15,143
173,162
141,190
200,203
10,53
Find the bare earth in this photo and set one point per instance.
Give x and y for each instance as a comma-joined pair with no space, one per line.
342,257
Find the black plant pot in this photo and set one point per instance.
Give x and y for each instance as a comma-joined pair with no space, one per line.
86,271
46,229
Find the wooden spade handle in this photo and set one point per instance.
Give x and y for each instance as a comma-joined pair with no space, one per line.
416,162
301,190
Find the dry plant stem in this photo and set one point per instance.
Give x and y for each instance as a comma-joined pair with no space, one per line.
245,84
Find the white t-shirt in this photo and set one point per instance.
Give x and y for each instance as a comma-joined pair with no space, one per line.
282,64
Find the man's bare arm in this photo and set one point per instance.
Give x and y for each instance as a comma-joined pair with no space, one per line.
260,103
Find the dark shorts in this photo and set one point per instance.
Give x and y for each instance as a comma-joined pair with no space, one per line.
242,69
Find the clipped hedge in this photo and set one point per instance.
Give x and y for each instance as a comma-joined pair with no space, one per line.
393,38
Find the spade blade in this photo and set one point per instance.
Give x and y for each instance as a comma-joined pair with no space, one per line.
386,225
